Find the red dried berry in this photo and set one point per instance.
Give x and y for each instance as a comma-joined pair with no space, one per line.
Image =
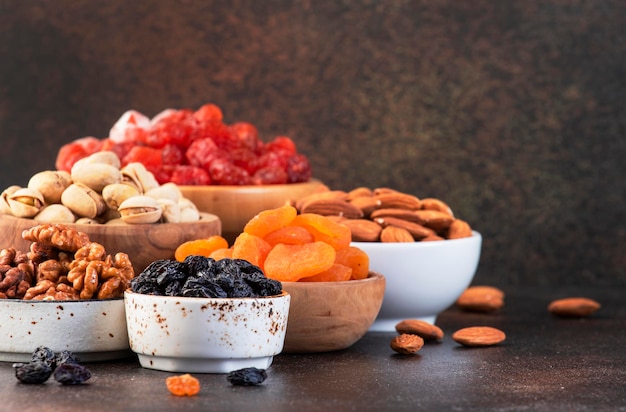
298,169
202,153
224,172
172,154
183,175
149,156
269,176
247,134
209,113
68,155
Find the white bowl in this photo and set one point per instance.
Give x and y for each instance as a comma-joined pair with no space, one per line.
94,330
423,278
206,335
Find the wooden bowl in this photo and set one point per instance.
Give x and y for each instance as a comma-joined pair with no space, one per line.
143,243
236,205
330,316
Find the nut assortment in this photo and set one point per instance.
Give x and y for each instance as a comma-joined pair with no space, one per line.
387,215
62,264
98,190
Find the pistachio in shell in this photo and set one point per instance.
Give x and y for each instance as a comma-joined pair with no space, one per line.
83,200
25,202
51,184
55,213
5,207
140,209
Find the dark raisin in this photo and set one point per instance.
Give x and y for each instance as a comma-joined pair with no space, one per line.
66,356
71,374
32,372
197,264
203,287
45,355
247,376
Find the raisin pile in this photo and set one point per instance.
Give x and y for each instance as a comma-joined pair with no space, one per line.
64,367
199,276
247,377
189,147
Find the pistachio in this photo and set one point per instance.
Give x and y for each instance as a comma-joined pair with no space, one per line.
137,175
50,183
95,175
116,193
55,213
5,207
25,202
140,209
83,200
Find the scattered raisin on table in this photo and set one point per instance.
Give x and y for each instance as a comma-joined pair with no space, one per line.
71,374
247,376
32,372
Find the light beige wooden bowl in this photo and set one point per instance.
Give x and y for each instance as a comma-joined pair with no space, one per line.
330,316
143,243
236,205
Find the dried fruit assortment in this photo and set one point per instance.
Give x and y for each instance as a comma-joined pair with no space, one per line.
189,147
386,215
291,247
62,264
98,189
200,276
64,367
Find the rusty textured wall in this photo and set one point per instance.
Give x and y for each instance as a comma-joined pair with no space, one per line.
510,111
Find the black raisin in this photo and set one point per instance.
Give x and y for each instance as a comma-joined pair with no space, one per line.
202,287
66,356
197,264
71,374
247,376
32,372
45,355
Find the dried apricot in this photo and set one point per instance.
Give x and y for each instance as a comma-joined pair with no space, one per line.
222,253
289,235
183,385
336,273
289,263
202,247
354,258
324,229
251,248
270,220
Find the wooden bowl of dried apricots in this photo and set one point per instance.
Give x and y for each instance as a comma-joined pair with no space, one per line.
335,297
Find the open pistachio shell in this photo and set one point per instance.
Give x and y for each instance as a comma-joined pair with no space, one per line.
83,200
140,209
25,202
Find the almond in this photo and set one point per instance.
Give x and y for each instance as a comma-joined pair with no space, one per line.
384,190
475,336
431,203
415,229
391,234
577,307
330,207
359,192
406,344
363,230
459,229
423,329
398,200
367,204
327,194
481,299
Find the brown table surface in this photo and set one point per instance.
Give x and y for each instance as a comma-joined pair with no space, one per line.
546,364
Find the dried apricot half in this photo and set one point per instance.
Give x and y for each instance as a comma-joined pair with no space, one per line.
270,220
290,263
336,273
354,258
202,247
324,229
183,385
251,248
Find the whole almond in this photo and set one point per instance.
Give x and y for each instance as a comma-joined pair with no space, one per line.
359,192
459,229
332,206
423,329
475,336
363,230
391,234
481,299
406,344
431,203
415,229
327,194
576,307
434,219
367,204
398,200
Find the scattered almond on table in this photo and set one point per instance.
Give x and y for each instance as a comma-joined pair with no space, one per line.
423,329
478,336
406,344
574,307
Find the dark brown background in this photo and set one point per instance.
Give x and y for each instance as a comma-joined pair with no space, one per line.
511,111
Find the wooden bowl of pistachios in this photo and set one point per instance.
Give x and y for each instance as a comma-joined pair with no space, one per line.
124,209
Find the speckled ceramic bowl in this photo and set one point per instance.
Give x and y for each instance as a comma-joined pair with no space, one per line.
423,278
94,330
206,335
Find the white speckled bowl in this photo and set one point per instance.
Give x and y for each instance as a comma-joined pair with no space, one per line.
206,335
94,330
423,278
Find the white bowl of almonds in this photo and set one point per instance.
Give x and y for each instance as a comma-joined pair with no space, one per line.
427,254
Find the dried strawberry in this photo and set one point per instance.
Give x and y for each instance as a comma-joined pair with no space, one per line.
247,134
172,154
174,127
202,153
298,169
281,143
189,175
120,149
224,172
269,176
68,155
209,113
149,156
